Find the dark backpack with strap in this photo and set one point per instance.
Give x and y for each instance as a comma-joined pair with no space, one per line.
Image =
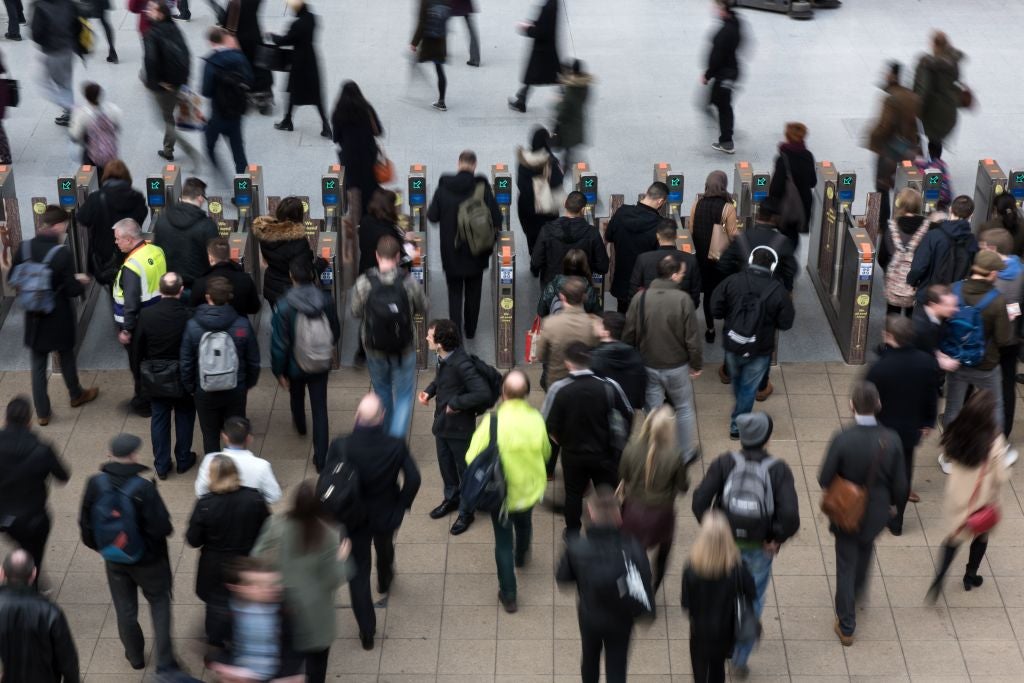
745,317
389,326
493,379
115,521
964,338
954,263
231,92
338,488
176,60
483,483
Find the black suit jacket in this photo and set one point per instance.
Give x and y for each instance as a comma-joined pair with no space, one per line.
907,380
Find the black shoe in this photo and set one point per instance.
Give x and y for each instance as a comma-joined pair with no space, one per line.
735,436
188,464
440,105
112,57
12,36
461,524
300,427
184,17
508,603
444,509
169,156
709,335
972,581
63,120
894,528
326,133
472,63
521,561
517,105
21,19
162,476
286,124
367,640
138,666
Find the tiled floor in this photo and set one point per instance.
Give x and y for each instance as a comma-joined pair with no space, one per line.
442,621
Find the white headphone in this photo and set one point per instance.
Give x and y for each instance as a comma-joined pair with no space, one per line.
775,255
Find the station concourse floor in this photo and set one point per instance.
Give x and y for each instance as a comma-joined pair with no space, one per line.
442,621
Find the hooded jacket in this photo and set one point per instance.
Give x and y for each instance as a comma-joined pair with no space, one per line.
558,237
452,190
530,164
633,231
116,199
39,646
215,319
460,386
183,231
621,362
778,312
523,447
665,330
280,243
935,82
308,300
932,250
244,297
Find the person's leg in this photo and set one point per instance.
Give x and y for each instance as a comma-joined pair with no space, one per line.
160,434
622,305
504,539
956,394
288,112
218,621
471,303
208,413
948,553
380,381
661,563
616,655
455,291
449,471
297,402
124,593
474,41
5,146
680,392
155,582
759,564
40,395
976,554
13,28
442,82
654,393
69,372
108,31
31,534
359,585
522,523
458,448
1008,373
166,103
234,132
885,205
183,10
210,137
721,97
184,428
384,544
316,665
865,554
846,573
590,655
909,439
405,387
317,386
576,479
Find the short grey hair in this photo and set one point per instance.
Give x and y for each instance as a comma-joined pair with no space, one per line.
128,227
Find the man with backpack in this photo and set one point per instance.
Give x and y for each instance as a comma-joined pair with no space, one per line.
515,435
387,298
220,361
757,494
764,233
754,306
303,342
468,218
43,275
167,64
462,392
571,231
945,254
227,80
124,519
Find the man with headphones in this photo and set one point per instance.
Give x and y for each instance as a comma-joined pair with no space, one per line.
754,306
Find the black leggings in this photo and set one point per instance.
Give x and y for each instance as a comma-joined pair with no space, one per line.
316,665
975,555
442,81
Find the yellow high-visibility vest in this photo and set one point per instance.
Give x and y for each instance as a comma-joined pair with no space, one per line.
148,262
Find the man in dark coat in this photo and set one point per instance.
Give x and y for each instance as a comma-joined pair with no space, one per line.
245,299
224,64
614,359
645,269
26,463
304,77
723,71
907,380
54,29
461,394
242,17
544,65
870,456
430,42
571,231
765,233
54,332
35,640
183,231
633,231
937,84
158,338
932,265
380,461
115,200
463,271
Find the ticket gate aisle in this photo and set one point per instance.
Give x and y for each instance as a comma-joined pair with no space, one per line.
504,272
325,240
585,181
244,248
1016,181
163,190
10,237
989,184
417,235
743,194
928,183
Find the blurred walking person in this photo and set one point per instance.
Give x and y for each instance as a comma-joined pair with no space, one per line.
99,9
96,126
539,179
723,71
55,29
304,76
570,115
430,42
894,136
227,78
544,65
794,162
15,18
714,208
937,84
466,9
356,128
167,64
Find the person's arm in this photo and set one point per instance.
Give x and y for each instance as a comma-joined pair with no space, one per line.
269,486
546,299
64,652
600,262
209,79
198,296
57,468
777,187
492,204
544,28
684,596
720,301
132,285
291,38
85,516
787,313
332,317
434,210
1003,329
269,539
76,129
788,270
787,510
830,467
196,533
69,284
151,62
884,251
682,479
417,36
636,278
360,292
731,261
539,257
249,304
280,341
157,520
695,289
203,477
252,356
411,480
694,342
417,296
39,26
631,332
553,420
476,393
717,56
187,357
704,495
921,263
900,485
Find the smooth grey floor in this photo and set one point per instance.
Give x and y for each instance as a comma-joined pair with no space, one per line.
647,57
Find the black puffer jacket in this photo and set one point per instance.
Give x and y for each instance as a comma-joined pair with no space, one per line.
621,362
280,242
778,311
115,200
452,190
38,646
244,297
183,231
457,385
561,235
632,231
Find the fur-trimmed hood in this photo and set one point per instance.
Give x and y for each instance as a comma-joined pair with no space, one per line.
267,229
571,80
533,159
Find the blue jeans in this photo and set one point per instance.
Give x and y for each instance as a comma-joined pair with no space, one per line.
746,373
160,430
393,379
759,564
676,383
232,130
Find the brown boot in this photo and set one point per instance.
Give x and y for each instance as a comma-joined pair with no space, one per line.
846,640
762,395
43,421
85,397
723,375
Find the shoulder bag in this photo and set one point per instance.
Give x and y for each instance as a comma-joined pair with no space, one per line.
844,502
720,240
161,378
383,168
985,518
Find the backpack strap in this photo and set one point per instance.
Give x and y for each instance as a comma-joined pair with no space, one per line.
133,486
494,428
50,255
989,297
919,235
957,289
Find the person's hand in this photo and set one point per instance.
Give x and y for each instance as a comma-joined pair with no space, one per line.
771,548
424,398
925,433
412,47
344,549
283,381
946,363
524,26
694,374
125,337
703,79
83,278
449,410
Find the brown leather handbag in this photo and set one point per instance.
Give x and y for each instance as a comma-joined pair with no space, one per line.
844,502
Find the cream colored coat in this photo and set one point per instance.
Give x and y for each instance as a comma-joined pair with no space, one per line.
960,485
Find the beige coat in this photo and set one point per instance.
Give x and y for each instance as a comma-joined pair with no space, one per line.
960,485
557,333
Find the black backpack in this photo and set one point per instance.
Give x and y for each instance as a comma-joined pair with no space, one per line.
389,326
493,379
176,61
620,586
744,321
483,483
231,92
954,263
338,488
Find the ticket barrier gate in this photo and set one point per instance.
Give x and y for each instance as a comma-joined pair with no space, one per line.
243,246
163,190
10,236
585,181
417,235
743,194
989,184
504,272
1017,186
758,192
673,207
928,183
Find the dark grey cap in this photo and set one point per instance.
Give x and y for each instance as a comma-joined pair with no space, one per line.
755,429
123,445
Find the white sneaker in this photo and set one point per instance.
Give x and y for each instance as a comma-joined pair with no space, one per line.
1010,456
946,465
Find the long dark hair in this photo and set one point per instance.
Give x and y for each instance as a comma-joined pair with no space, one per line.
306,512
1008,213
575,263
968,438
352,109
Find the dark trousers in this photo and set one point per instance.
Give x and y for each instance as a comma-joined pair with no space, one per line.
359,585
232,130
616,654
1008,370
160,431
317,386
853,559
215,407
512,535
183,9
218,621
464,302
15,13
135,365
622,304
108,31
316,665
707,661
451,460
909,438
30,532
442,81
975,555
885,206
580,470
154,579
721,97
68,370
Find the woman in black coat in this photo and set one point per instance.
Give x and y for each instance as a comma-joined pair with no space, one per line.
243,17
282,239
116,199
430,42
356,129
531,163
304,78
805,177
224,525
544,66
380,220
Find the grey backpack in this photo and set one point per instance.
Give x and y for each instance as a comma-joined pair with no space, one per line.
314,343
748,500
218,362
33,281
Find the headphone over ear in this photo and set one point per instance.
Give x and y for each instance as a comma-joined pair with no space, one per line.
775,255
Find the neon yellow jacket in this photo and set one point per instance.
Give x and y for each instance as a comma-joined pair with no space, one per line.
524,446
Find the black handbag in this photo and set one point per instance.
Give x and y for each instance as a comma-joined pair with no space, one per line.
161,378
273,57
747,626
12,95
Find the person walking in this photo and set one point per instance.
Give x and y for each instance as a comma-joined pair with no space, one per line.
167,64
27,463
52,331
633,231
896,247
794,162
947,250
15,18
224,526
523,449
871,457
645,269
539,179
245,298
241,18
466,9
559,332
937,84
304,77
662,325
606,556
356,127
1007,215
907,381
713,212
976,451
303,342
544,64
114,201
386,299
570,115
227,78
98,9
96,126
571,231
133,543
463,270
379,460
614,359
461,393
738,483
253,471
55,29
723,71
430,42
299,546
6,99
652,474
35,639
714,578
282,240
218,389
184,231
574,264
894,137
764,233
158,347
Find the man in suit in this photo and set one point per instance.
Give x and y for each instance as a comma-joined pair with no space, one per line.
930,321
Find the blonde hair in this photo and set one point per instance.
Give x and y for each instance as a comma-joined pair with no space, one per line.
714,552
908,201
658,432
223,475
